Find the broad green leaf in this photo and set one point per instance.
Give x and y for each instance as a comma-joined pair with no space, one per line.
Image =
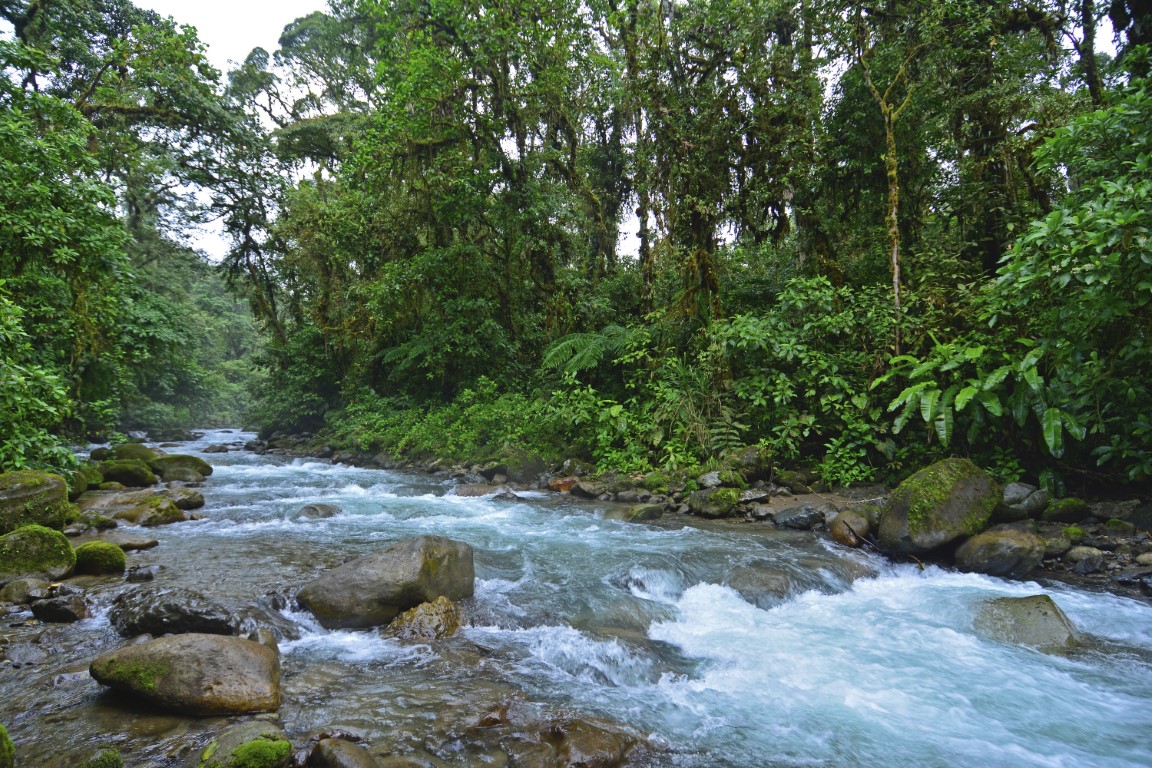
964,396
1052,424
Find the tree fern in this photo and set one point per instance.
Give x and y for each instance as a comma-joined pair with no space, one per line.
580,351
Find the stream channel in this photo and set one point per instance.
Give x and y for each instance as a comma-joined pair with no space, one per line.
839,658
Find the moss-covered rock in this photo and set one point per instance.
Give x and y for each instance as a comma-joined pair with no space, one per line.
248,745
796,482
947,501
714,502
35,551
33,498
7,749
1119,527
133,452
1070,510
657,482
129,472
97,558
105,758
151,512
164,465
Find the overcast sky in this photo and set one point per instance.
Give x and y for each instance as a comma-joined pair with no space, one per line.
232,28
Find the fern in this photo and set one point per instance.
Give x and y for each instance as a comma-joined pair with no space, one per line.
580,351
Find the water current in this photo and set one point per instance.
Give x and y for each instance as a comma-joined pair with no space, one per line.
736,645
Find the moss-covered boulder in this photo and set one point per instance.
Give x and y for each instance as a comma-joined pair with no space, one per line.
195,674
151,512
248,745
133,452
714,502
374,589
37,552
7,749
97,558
346,754
1070,510
940,504
642,512
166,465
33,498
130,472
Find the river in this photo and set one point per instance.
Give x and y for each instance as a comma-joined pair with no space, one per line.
846,661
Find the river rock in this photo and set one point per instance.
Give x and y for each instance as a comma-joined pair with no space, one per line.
185,476
60,610
373,589
761,583
195,674
1056,541
154,611
946,501
319,511
97,558
338,753
588,489
801,518
714,502
131,452
155,511
20,591
32,498
37,552
218,448
427,622
476,490
128,472
1070,510
129,542
643,512
254,744
1009,551
1034,621
850,528
164,465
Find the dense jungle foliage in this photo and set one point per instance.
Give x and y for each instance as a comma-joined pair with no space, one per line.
643,232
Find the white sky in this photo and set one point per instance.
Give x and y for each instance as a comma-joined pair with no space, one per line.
232,28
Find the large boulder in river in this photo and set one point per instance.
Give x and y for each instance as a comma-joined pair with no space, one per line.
949,500
130,472
374,589
166,465
154,511
195,674
133,452
1034,621
33,498
169,611
35,551
1009,551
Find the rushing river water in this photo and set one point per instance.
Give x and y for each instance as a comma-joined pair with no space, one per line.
839,660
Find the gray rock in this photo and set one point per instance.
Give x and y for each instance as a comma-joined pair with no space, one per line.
20,591
195,674
1076,554
1015,493
32,498
338,753
319,511
1034,621
714,502
373,589
221,752
1007,551
643,512
709,479
153,611
589,489
221,448
60,610
850,528
754,495
802,518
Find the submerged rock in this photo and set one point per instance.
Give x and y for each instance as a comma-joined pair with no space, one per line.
946,501
253,744
319,511
37,552
339,753
195,674
1034,621
373,589
33,498
151,611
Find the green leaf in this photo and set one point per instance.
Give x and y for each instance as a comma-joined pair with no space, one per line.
1053,429
944,424
928,404
964,396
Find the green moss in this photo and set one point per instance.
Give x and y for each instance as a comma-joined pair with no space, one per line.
259,753
100,557
726,496
137,676
1121,527
931,487
1074,533
732,479
1070,510
7,750
30,497
657,482
34,549
108,758
129,472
